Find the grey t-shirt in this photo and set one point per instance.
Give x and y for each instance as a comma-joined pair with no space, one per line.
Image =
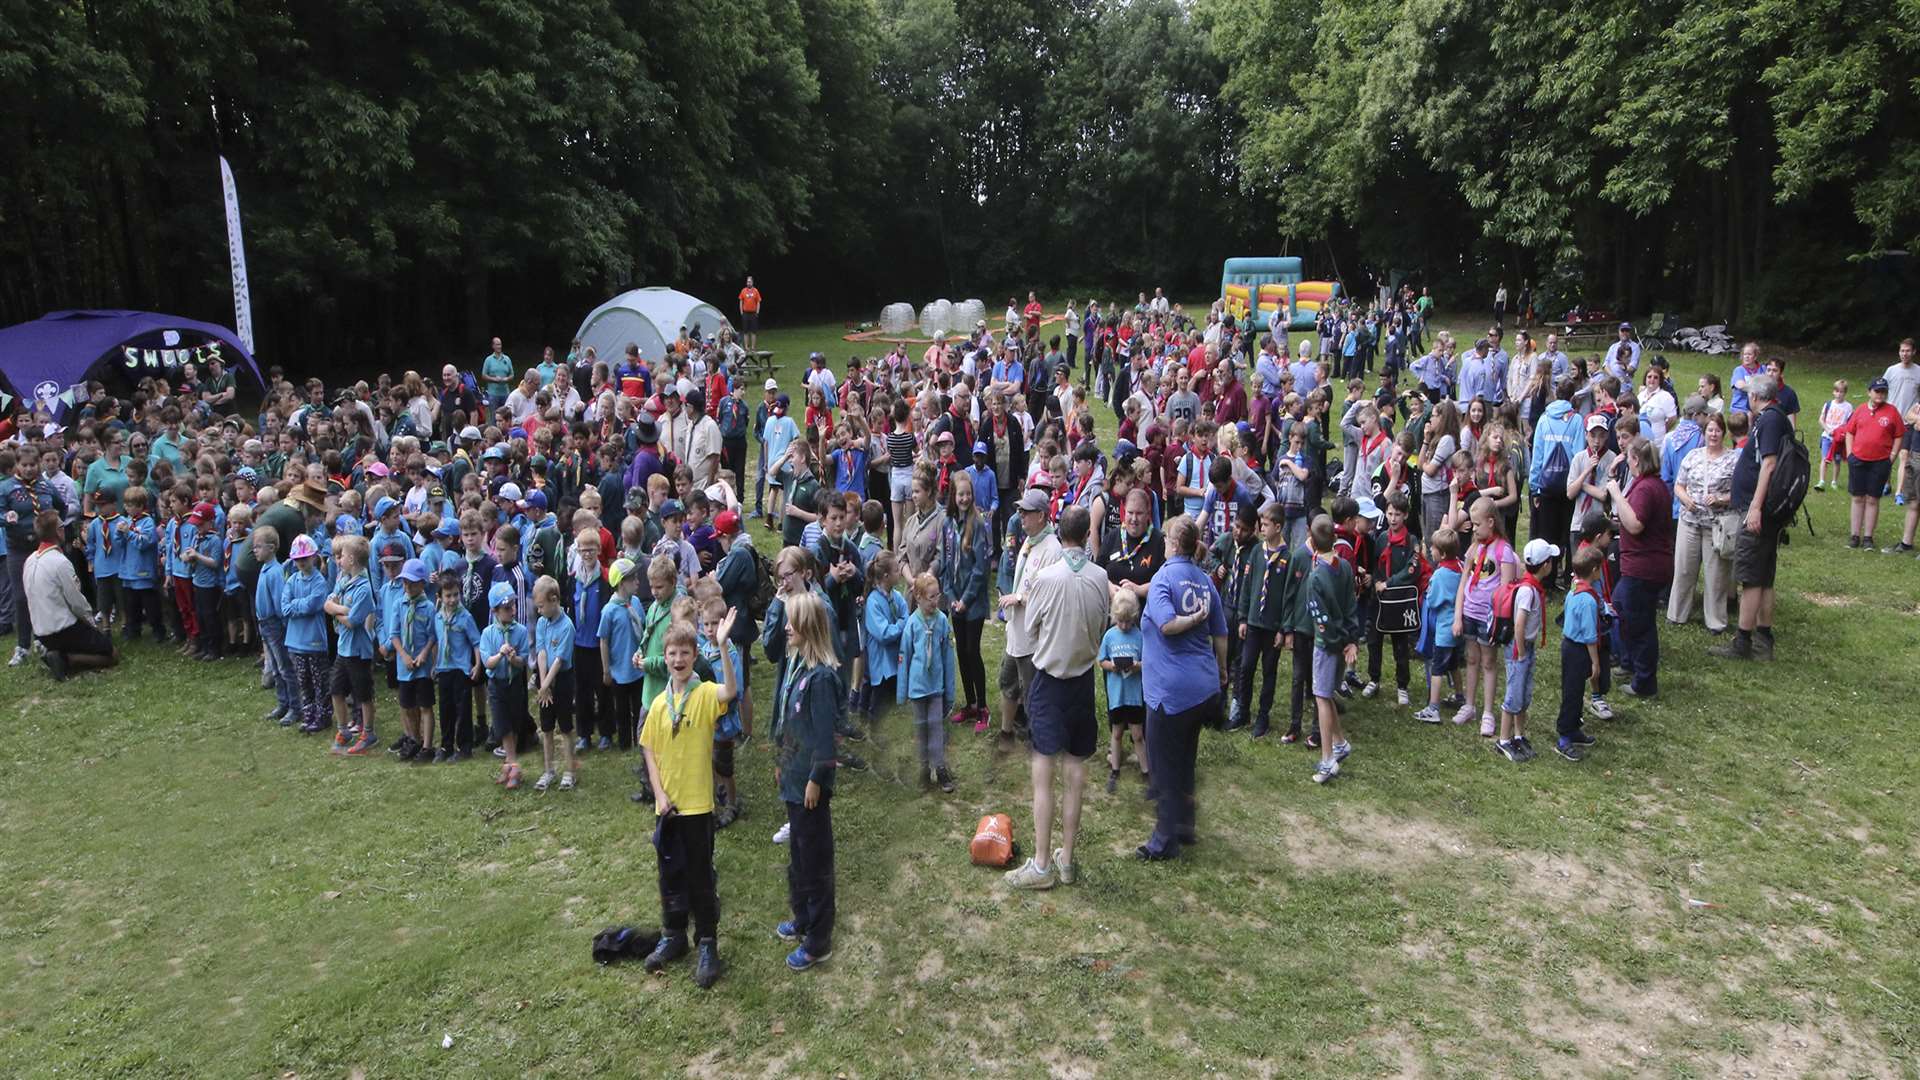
1903,386
1442,450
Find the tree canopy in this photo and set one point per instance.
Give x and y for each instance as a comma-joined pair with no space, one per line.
420,172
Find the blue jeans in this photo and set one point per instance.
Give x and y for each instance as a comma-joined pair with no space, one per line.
1173,742
286,689
1638,599
760,483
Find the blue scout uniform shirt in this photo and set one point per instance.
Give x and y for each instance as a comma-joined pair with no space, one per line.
618,628
1582,623
180,537
455,637
926,659
302,600
139,561
555,638
412,627
729,725
886,618
588,598
210,545
106,546
1184,670
494,636
267,590
234,548
1123,689
356,594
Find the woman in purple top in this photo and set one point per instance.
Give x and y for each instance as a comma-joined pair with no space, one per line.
1645,509
1185,627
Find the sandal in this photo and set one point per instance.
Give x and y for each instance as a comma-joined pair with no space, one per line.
513,777
566,781
545,781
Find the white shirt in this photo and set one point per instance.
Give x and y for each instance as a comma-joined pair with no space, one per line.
704,450
1034,557
54,600
519,405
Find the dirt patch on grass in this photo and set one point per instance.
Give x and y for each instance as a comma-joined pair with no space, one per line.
1829,600
1574,884
1829,1045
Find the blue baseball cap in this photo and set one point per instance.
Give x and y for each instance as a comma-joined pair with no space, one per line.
447,527
496,452
517,433
535,500
501,593
414,570
385,506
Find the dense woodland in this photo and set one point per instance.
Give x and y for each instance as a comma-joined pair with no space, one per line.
417,174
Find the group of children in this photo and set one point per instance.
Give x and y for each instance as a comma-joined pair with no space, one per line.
1464,604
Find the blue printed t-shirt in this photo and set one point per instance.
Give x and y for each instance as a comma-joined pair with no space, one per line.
555,638
1123,689
1181,672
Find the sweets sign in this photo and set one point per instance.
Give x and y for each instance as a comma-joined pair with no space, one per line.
171,355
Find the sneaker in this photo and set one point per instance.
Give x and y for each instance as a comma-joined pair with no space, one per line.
1487,726
780,834
1570,750
959,714
1739,648
500,751
1341,749
1370,689
460,756
545,781
786,931
1113,780
19,656
1313,740
1598,708
1428,715
1853,541
980,725
1900,548
1292,736
1452,701
274,715
566,781
672,947
1763,645
1631,692
1582,738
1062,867
340,740
1527,752
854,762
854,734
442,756
363,745
1325,772
1508,749
1866,542
582,745
800,959
707,967
945,779
1029,875
56,662
605,743
1402,696
1353,680
1463,716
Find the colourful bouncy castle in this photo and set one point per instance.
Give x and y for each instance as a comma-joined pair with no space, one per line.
1256,287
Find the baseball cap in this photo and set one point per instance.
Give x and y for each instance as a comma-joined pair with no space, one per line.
469,434
726,522
495,452
1878,384
393,550
773,384
517,433
980,448
203,511
436,492
447,527
304,547
945,436
1538,551
672,508
387,505
636,498
414,570
501,593
535,500
782,401
248,473
1596,422
1625,326
1368,508
378,468
253,446
509,491
1033,499
618,571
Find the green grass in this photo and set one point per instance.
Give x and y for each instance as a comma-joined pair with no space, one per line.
191,892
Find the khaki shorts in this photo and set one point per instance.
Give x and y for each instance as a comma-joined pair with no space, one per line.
1910,480
1016,674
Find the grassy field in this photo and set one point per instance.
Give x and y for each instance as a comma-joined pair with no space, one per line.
1727,887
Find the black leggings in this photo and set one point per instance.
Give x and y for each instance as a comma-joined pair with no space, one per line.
973,669
592,707
1302,676
625,713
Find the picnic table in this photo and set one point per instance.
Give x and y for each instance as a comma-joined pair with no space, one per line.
759,364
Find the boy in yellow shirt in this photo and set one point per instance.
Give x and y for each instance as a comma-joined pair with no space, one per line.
677,740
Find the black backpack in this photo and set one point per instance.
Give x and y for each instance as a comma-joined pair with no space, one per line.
1787,489
763,585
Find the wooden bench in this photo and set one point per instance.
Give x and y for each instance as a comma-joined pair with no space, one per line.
760,364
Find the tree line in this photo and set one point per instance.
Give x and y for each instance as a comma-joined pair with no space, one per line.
416,173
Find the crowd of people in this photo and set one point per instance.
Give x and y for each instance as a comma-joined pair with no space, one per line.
575,557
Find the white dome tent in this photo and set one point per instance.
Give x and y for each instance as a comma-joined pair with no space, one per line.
650,318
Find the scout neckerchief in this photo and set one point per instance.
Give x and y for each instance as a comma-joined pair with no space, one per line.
444,629
676,707
929,650
1274,560
1026,549
406,624
1074,557
788,685
846,469
107,525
